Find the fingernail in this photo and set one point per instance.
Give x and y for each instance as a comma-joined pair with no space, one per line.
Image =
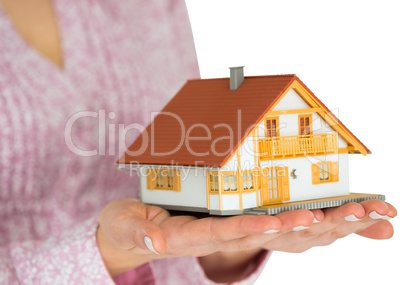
271,231
148,243
352,218
315,221
299,228
375,216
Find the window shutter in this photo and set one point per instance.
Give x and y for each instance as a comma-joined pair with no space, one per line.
285,185
335,171
150,179
315,174
256,178
176,180
264,185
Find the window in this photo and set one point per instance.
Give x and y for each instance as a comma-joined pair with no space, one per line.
271,125
159,179
305,122
213,182
163,178
326,171
323,170
248,180
229,182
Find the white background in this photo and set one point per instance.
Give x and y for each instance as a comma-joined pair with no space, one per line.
349,54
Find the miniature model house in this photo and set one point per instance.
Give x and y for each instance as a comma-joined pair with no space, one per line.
230,145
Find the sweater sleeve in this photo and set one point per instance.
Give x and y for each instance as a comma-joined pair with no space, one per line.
187,270
73,258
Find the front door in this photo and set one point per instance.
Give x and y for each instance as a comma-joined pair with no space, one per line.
274,185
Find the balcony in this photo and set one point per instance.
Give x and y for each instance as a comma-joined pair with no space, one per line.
292,146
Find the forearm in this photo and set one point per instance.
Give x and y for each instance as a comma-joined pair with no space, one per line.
72,257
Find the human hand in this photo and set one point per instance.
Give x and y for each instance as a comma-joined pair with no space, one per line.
129,231
368,219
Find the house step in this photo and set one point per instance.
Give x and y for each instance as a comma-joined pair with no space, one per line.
255,211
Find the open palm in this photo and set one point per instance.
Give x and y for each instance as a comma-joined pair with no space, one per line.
142,232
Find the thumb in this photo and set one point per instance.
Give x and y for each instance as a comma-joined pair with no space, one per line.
133,226
148,235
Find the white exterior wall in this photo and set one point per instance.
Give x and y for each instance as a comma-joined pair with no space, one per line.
302,187
250,199
232,201
192,193
247,153
291,100
214,202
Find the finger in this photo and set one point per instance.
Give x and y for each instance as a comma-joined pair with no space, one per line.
241,233
297,229
242,226
146,235
376,209
340,222
132,226
334,225
318,215
219,229
369,225
350,212
392,212
346,219
380,230
297,220
294,221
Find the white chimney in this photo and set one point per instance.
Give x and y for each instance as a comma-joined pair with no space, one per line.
236,77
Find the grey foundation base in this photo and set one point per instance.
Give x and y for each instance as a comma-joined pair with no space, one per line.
313,204
277,208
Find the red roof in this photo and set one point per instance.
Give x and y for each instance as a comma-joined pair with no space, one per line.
206,121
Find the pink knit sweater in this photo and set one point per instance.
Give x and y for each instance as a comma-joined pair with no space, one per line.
123,60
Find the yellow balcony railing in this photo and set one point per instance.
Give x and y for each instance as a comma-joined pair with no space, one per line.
287,146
